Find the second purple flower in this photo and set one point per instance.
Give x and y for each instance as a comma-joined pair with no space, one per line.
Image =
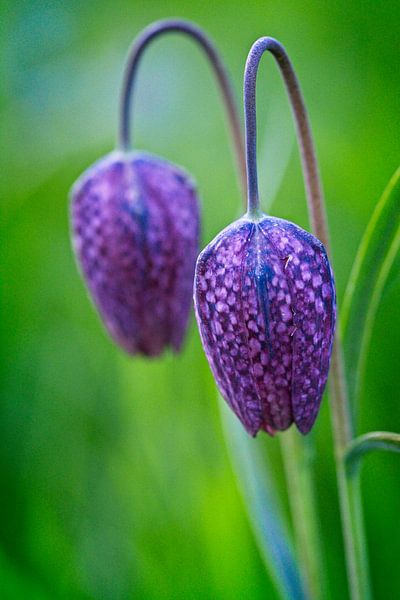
135,227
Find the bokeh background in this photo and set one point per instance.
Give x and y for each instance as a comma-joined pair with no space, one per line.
115,477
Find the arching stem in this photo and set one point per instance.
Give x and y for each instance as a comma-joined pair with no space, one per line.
135,53
309,162
350,501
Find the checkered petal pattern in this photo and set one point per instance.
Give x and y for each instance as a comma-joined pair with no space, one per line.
265,305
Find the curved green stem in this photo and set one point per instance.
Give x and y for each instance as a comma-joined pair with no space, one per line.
350,482
316,205
134,56
374,440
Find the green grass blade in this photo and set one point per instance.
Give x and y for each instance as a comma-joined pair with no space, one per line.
376,254
261,500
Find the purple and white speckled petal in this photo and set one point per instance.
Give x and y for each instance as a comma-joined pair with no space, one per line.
313,296
269,323
217,301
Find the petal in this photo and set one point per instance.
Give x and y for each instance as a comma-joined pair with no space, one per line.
176,197
269,323
103,231
218,293
312,290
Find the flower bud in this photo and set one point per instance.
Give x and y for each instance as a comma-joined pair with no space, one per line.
135,229
265,305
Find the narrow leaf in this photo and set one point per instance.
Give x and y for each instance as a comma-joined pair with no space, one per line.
261,501
375,440
375,257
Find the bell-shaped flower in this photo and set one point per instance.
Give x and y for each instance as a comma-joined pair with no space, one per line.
135,230
265,306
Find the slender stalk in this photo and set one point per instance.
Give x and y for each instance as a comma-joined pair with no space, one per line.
295,450
349,487
315,199
349,493
134,55
298,458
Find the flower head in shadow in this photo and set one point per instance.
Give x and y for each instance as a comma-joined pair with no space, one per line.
135,228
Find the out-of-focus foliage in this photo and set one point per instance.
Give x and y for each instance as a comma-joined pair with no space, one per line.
115,478
377,252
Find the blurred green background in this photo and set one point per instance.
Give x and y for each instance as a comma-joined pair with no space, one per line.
115,478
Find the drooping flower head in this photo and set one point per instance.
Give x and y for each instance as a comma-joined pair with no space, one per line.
135,227
135,222
265,306
264,291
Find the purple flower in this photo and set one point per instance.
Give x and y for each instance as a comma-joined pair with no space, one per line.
135,229
265,305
